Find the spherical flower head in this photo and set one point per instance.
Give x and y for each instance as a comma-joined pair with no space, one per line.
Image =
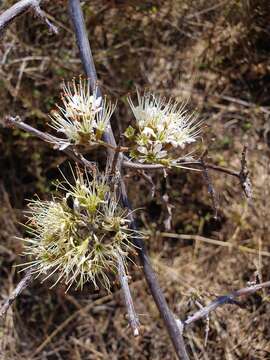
161,125
83,116
79,236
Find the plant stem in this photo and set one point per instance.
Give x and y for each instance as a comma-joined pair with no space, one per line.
225,299
20,8
88,64
16,121
138,166
23,284
132,316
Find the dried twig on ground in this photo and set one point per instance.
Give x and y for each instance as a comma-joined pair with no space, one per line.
216,242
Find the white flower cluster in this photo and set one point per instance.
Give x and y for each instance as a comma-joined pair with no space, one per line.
160,126
79,237
84,116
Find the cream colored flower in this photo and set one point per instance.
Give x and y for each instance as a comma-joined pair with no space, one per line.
78,237
161,126
154,152
84,116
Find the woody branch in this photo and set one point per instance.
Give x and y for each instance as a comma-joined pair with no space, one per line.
21,7
89,67
225,299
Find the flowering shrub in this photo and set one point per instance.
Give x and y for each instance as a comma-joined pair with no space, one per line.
79,237
85,235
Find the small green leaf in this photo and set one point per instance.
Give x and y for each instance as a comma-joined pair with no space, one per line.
130,132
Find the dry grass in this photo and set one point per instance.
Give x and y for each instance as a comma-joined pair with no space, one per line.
217,54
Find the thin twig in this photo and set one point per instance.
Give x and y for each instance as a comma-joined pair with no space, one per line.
222,169
225,299
88,64
23,284
16,121
139,166
22,7
132,316
242,175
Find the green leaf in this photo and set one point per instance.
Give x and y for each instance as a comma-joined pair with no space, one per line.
130,132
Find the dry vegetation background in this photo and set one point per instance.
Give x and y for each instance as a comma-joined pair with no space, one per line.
218,54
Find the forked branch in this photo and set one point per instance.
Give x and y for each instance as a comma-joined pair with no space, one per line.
242,175
225,299
194,163
22,7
